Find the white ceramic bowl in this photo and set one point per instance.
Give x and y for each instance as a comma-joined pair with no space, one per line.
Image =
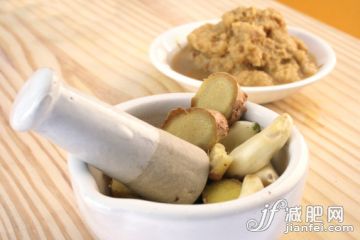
164,47
111,218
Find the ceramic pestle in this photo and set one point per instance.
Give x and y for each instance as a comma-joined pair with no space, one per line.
153,163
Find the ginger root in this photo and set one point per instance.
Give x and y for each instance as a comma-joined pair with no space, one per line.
219,162
199,126
250,185
221,191
221,92
120,190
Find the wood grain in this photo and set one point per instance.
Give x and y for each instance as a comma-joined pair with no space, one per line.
101,48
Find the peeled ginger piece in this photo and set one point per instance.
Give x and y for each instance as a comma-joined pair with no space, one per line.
219,162
221,191
199,126
251,184
120,190
221,92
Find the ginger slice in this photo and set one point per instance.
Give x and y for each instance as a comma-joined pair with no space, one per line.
120,190
199,126
221,92
219,162
251,184
222,191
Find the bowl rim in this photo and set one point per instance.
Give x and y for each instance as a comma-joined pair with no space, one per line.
324,69
88,190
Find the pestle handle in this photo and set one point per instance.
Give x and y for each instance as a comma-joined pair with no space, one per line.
154,163
83,126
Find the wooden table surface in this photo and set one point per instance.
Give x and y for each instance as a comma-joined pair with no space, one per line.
101,48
